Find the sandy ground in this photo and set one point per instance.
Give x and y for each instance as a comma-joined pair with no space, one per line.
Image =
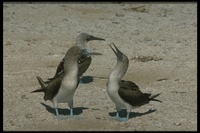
159,39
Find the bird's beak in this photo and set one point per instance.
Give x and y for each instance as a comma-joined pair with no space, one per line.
85,52
96,38
117,52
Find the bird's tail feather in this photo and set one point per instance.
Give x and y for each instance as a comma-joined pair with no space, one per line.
39,90
43,85
154,96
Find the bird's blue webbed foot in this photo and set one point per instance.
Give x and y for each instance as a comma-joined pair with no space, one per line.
58,116
72,115
117,118
120,119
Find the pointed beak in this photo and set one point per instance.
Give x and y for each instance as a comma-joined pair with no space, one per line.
117,52
85,52
95,38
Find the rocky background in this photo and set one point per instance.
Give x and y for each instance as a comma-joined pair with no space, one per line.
160,40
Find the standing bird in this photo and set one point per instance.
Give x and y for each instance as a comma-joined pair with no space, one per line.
125,94
62,88
84,61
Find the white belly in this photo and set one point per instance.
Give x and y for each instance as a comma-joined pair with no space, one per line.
114,96
66,91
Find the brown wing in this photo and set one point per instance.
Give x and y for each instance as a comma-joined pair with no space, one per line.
52,88
131,94
60,67
83,64
59,71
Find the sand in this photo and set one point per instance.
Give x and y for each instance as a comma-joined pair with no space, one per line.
160,40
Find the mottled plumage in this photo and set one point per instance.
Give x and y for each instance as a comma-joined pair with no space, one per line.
83,61
61,89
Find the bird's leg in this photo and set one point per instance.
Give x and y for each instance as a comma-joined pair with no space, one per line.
117,114
80,80
72,114
58,116
121,119
127,117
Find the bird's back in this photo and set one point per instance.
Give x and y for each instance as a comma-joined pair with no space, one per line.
131,94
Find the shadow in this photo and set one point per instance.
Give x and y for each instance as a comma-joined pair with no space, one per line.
77,110
87,79
123,113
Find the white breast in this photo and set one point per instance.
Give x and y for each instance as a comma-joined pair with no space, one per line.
65,93
68,87
112,90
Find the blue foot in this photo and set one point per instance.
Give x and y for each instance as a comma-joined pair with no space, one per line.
120,119
117,118
59,117
74,116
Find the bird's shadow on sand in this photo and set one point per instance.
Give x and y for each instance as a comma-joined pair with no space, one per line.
123,113
76,110
87,79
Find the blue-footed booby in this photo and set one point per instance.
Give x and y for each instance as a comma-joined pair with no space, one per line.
61,89
125,94
83,61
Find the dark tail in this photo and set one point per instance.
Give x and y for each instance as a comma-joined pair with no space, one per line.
39,90
43,85
151,98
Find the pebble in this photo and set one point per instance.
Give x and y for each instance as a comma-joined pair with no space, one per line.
24,97
12,123
177,123
28,116
8,43
119,14
97,117
7,19
147,38
115,22
178,41
50,53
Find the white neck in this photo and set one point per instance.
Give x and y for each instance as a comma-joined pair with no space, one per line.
118,73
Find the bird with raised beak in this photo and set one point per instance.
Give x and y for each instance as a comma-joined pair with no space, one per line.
125,94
